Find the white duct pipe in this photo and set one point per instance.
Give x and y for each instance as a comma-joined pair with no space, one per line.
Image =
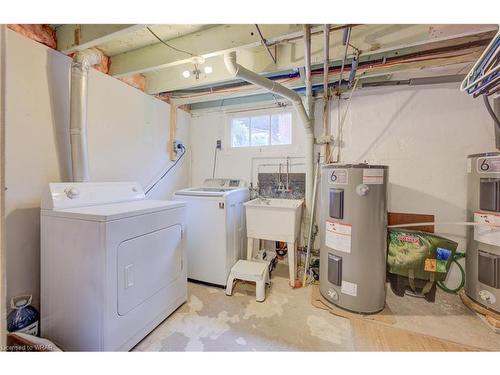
82,61
238,71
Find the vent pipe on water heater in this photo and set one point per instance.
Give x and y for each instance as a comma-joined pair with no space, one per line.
82,61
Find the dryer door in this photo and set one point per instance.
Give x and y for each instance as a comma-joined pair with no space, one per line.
147,264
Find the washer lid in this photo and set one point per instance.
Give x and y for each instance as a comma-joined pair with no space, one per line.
115,211
205,191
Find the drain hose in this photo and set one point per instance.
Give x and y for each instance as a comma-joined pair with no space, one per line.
455,260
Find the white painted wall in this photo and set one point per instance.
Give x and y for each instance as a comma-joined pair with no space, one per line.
423,133
242,162
127,140
3,305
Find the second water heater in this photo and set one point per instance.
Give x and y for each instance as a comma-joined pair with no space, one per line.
482,283
353,231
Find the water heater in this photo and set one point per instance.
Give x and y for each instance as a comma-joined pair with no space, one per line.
483,241
353,231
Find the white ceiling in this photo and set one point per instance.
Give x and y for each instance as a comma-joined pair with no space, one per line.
143,37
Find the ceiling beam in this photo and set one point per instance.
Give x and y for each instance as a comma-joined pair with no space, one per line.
445,64
373,42
237,104
72,38
208,43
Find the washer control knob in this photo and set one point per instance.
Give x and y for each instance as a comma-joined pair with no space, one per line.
134,189
362,189
72,192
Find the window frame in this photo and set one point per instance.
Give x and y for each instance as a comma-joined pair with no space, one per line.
257,113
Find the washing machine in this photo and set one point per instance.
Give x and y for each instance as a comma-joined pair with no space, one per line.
216,231
113,264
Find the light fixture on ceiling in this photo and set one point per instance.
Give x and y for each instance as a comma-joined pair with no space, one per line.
197,61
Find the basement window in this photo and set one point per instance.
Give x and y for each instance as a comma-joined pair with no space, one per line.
262,130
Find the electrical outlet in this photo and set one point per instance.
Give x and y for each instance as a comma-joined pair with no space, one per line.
218,144
177,145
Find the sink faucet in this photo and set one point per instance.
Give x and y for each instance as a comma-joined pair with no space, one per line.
281,187
284,188
255,193
288,173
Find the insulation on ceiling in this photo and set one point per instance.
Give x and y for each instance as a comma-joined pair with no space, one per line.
41,33
137,80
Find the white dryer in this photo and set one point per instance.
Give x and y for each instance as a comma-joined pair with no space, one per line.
216,231
112,264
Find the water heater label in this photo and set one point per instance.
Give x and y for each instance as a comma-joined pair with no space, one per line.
489,233
338,236
488,164
372,176
349,288
339,177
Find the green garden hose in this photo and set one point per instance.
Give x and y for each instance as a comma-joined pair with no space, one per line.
455,259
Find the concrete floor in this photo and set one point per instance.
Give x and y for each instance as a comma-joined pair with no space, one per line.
212,321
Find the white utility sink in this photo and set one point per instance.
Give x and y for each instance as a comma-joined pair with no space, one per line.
274,219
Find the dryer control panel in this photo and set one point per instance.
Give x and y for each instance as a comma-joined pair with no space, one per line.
61,195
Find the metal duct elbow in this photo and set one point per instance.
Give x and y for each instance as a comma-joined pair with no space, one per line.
237,71
87,58
82,61
231,65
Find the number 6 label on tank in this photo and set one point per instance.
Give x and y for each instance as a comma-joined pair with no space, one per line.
488,164
339,177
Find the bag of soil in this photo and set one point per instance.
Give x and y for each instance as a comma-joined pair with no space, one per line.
419,255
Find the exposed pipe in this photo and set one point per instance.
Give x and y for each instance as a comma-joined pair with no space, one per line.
326,58
237,71
307,66
326,111
345,41
314,31
82,61
310,135
311,222
264,43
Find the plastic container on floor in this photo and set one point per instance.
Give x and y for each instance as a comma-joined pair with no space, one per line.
24,317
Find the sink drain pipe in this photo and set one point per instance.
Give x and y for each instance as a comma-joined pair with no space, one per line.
82,61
